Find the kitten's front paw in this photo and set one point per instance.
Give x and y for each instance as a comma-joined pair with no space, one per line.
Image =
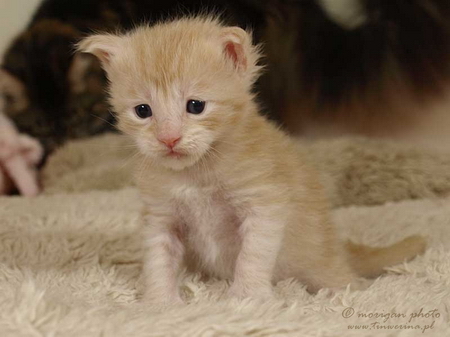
255,292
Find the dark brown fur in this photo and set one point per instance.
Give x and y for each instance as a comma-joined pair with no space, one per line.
377,79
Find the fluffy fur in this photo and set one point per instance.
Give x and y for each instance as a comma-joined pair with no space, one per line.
233,197
73,273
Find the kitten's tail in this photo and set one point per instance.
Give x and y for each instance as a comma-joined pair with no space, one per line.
369,261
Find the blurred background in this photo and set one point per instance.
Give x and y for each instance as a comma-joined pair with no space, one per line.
14,17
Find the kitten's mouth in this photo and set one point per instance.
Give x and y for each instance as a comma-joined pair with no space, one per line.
175,154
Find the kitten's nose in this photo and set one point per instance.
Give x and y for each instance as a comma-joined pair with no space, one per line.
170,141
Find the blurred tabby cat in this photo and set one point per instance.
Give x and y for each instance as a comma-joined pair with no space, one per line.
372,67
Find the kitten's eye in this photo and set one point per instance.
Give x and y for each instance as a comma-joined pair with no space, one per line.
195,107
143,111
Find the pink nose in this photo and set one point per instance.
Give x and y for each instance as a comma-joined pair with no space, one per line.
170,141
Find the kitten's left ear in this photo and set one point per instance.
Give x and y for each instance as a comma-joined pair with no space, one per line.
238,47
104,46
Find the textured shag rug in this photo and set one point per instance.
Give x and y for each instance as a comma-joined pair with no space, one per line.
70,260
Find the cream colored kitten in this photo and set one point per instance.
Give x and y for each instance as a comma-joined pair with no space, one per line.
225,191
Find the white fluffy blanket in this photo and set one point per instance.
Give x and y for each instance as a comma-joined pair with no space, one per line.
70,259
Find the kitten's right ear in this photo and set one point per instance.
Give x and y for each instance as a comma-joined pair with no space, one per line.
103,46
238,47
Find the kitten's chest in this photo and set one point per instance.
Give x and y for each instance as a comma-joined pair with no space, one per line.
203,207
211,227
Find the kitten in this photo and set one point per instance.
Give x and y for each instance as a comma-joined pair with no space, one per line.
55,95
225,191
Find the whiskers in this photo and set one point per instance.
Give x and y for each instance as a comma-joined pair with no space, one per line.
205,164
105,120
232,145
145,164
145,161
132,157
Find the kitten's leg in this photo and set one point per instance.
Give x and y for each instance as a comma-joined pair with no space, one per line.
261,242
162,260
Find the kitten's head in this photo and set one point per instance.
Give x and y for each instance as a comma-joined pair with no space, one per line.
178,88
